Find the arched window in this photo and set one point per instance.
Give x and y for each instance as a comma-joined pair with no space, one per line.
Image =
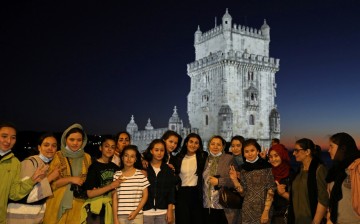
251,120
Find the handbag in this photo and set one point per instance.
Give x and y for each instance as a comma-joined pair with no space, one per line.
230,198
78,191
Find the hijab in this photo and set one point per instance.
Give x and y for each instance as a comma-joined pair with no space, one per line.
282,171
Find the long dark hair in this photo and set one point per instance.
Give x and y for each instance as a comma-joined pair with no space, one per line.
183,150
147,154
315,150
137,164
170,133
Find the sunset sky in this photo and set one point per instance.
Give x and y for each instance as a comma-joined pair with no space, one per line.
98,64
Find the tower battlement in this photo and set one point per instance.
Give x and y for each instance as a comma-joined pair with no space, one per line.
238,29
239,57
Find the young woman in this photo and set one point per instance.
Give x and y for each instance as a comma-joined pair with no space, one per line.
280,161
344,180
189,166
216,175
234,215
12,187
159,206
236,145
172,144
73,162
31,208
99,185
122,139
308,196
257,185
132,194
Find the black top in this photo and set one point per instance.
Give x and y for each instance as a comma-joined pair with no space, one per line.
100,175
162,188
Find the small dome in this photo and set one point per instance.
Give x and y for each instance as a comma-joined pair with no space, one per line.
132,125
175,117
265,25
149,126
225,109
198,31
226,16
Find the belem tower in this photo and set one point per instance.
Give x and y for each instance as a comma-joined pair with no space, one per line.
232,87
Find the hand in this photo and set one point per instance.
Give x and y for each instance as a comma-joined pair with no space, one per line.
264,217
170,216
132,215
233,173
40,173
145,163
77,180
281,188
171,166
213,181
116,183
263,154
54,174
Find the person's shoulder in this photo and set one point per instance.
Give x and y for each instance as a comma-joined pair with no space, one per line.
227,156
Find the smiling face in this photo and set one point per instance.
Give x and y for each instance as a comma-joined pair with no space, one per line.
107,148
236,147
192,146
333,148
158,152
171,143
48,147
300,153
74,141
250,153
274,158
7,138
216,146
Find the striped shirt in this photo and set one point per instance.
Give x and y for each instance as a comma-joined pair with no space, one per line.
130,192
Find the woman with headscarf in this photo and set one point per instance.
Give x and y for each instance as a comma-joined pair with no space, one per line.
216,175
63,206
344,180
280,161
256,185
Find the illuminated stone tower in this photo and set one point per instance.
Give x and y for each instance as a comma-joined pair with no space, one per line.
233,86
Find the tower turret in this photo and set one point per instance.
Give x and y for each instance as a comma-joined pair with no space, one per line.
198,34
226,20
265,30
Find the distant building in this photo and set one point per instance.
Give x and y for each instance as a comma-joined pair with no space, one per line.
142,138
233,86
232,89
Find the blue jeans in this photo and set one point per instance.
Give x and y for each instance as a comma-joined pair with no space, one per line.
155,219
123,219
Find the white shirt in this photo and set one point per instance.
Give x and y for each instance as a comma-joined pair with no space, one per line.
188,171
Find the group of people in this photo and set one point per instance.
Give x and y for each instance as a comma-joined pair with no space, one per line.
177,181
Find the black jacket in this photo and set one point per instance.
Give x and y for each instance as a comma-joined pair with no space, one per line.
200,163
162,188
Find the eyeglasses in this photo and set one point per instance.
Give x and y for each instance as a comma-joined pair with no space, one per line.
298,150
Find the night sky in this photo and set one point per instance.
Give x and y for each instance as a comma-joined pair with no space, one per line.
99,63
